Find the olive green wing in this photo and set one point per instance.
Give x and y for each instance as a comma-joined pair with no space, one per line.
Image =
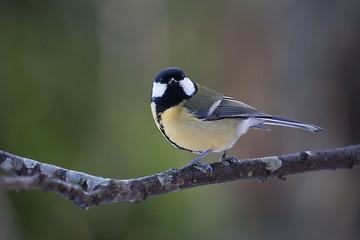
200,103
229,108
210,105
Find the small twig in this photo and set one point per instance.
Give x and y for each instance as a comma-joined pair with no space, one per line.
86,190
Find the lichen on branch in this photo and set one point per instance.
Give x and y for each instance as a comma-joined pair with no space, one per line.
86,190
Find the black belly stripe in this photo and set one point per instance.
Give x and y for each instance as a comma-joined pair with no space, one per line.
158,115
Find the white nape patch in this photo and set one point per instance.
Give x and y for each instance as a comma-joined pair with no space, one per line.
158,89
188,86
214,106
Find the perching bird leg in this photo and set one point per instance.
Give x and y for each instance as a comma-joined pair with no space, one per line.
196,161
224,158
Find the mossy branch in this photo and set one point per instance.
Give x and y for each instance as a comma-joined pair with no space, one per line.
86,190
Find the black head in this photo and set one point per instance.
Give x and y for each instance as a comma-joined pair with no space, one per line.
166,75
171,87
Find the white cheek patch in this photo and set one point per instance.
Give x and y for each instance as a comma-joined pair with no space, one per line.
188,86
158,89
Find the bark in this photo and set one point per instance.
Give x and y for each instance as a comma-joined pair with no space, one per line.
86,190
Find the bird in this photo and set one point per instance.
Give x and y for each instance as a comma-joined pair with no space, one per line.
202,121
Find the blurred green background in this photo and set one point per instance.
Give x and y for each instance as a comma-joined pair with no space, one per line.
75,84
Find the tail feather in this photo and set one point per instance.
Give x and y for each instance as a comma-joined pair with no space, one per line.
280,121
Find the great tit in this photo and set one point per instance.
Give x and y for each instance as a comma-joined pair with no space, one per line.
199,120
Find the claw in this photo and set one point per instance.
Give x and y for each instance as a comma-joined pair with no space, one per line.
223,156
200,164
231,158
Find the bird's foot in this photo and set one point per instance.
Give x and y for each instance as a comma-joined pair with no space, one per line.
231,158
199,165
204,167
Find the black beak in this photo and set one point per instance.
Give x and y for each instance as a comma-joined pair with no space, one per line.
172,81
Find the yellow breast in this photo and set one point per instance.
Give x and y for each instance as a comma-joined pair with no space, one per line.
185,130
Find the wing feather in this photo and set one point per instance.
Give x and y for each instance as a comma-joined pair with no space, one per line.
207,104
218,106
229,108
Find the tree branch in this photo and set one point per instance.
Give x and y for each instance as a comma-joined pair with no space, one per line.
86,190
